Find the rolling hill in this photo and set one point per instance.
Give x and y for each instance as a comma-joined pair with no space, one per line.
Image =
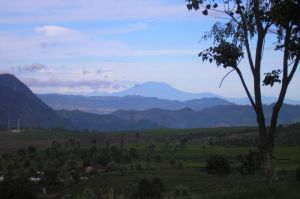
82,121
108,104
218,116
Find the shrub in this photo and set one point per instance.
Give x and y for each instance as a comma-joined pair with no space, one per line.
31,149
146,189
139,167
298,174
180,165
157,158
250,163
217,165
17,188
181,191
172,162
157,186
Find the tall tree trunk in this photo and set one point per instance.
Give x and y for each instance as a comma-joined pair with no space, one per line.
265,147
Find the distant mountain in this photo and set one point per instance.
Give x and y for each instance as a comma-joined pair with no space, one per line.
107,104
265,99
165,91
162,91
231,115
18,102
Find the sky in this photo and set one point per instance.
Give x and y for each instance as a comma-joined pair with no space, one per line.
88,46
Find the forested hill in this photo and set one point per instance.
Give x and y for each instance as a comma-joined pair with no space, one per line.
17,102
232,115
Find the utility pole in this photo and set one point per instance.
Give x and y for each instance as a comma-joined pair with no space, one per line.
18,130
132,117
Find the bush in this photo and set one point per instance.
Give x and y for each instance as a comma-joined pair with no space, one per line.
17,188
250,163
181,191
180,165
31,149
146,189
217,165
298,174
138,167
172,162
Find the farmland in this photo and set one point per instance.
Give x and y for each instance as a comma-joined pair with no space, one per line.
112,165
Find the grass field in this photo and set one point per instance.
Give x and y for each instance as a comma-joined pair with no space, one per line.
177,157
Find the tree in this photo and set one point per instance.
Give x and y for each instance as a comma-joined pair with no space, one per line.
248,24
137,137
22,152
147,189
31,149
17,188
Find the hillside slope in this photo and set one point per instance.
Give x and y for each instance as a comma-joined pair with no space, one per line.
82,121
18,102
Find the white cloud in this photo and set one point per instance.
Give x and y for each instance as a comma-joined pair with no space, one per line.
75,86
55,31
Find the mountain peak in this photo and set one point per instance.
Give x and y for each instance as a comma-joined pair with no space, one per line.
7,79
153,83
161,90
18,102
12,82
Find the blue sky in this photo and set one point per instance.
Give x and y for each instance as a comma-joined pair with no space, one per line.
82,46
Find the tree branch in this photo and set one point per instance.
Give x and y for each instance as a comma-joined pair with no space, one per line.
225,77
294,68
245,87
286,53
245,31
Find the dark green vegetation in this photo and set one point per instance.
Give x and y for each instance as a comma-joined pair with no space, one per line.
161,163
81,121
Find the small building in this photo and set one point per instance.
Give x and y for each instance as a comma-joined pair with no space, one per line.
34,179
99,168
89,170
84,178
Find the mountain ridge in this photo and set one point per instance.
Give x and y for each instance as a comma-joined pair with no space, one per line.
108,104
18,102
165,91
218,116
